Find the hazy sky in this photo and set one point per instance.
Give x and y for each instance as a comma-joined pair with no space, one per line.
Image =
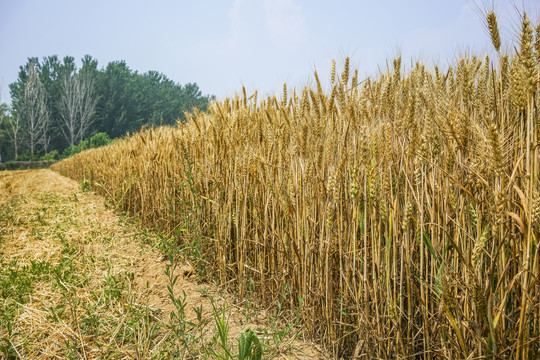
224,44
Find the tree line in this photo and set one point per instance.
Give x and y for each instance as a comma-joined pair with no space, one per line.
57,109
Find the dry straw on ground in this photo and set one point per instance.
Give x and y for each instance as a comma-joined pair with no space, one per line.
403,211
78,283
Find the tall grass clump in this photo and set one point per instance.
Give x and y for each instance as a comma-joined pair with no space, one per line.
402,212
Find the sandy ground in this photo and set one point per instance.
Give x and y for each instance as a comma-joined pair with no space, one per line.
45,214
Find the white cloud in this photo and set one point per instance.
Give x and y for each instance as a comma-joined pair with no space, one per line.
285,22
265,26
247,29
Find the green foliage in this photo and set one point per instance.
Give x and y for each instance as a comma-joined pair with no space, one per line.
99,139
249,346
52,155
27,156
221,320
7,348
75,149
16,285
126,101
86,186
5,146
16,281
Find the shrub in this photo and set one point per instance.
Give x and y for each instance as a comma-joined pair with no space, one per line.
99,139
52,155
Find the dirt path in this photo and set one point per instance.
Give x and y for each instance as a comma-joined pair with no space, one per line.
78,281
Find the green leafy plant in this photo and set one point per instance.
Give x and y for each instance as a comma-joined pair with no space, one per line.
7,348
86,185
221,338
99,139
51,155
249,346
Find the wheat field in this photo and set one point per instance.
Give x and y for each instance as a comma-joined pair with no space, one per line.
397,216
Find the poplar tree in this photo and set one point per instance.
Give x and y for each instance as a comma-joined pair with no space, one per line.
34,111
